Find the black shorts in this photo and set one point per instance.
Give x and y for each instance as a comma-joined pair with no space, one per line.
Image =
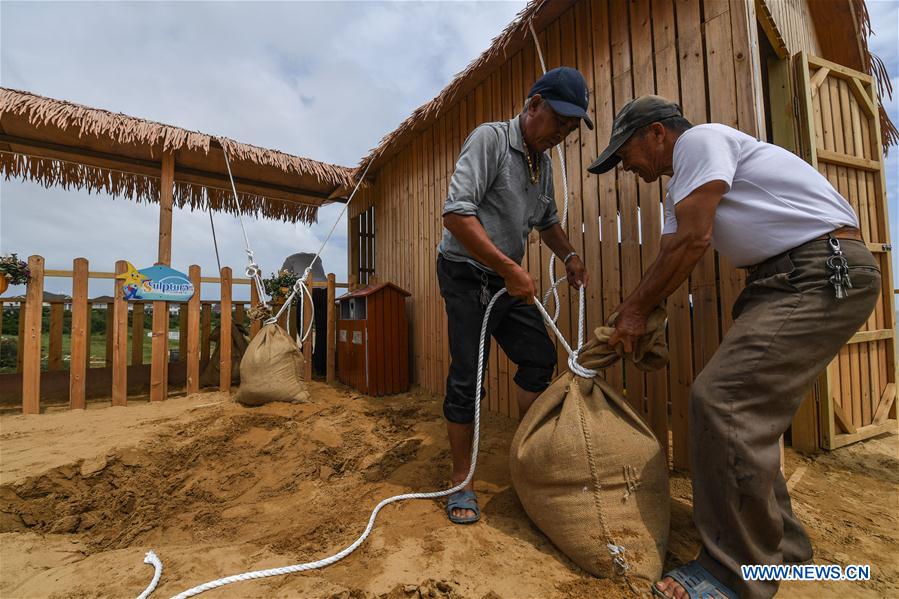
516,325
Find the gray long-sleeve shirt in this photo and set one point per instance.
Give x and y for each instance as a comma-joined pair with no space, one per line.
491,181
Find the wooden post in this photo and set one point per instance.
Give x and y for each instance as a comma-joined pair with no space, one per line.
159,361
205,332
307,321
80,347
225,332
193,333
137,333
166,191
20,345
110,311
256,324
31,362
182,332
120,340
332,330
54,354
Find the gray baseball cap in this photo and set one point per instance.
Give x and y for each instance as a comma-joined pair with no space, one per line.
637,113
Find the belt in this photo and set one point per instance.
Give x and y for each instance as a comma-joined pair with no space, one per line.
841,233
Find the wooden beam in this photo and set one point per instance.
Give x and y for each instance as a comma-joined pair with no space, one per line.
769,26
330,372
166,191
120,340
842,159
838,70
867,336
80,348
193,333
225,333
159,361
843,420
887,399
817,79
865,432
31,362
862,96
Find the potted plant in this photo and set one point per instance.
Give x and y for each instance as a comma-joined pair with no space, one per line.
279,285
13,271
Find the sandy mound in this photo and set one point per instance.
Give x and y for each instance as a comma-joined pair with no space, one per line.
218,489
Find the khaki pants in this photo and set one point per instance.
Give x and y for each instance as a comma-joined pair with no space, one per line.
788,326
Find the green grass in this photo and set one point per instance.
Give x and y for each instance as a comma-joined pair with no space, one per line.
97,350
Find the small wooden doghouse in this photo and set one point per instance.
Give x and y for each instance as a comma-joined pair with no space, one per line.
373,340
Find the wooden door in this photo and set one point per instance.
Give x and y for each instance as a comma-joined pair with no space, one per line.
840,136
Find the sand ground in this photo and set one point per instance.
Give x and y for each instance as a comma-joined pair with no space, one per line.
217,489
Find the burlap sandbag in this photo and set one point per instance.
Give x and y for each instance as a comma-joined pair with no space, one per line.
240,339
272,369
590,473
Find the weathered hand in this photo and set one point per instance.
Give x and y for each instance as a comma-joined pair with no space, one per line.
519,283
630,325
576,272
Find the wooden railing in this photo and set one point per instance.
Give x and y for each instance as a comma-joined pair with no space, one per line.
123,370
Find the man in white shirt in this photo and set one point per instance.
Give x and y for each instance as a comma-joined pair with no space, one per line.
811,283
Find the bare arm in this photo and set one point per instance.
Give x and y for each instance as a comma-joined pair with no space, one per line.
556,239
469,231
678,254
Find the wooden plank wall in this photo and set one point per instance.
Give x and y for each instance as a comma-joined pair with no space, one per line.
688,50
794,22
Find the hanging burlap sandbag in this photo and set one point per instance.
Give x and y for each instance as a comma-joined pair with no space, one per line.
240,339
590,473
272,369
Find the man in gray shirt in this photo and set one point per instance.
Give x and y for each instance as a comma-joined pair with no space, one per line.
502,188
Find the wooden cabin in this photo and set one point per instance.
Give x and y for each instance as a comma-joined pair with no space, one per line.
794,72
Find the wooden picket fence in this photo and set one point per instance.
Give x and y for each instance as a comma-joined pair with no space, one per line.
114,377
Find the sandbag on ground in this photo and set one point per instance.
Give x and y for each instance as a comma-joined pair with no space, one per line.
590,473
240,339
272,369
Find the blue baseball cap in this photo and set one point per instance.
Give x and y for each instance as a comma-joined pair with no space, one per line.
565,89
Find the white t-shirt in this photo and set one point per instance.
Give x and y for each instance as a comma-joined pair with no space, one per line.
774,201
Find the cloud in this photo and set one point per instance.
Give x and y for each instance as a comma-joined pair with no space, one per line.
324,80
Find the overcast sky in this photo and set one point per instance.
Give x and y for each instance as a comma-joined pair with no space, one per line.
324,80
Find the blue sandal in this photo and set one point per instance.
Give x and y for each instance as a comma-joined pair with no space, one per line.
464,500
697,582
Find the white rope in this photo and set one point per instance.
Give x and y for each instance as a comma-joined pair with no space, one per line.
552,258
153,560
252,271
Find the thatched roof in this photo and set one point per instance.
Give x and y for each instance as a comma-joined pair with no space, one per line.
55,142
543,12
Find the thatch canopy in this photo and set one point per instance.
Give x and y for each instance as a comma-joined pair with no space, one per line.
55,142
847,24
